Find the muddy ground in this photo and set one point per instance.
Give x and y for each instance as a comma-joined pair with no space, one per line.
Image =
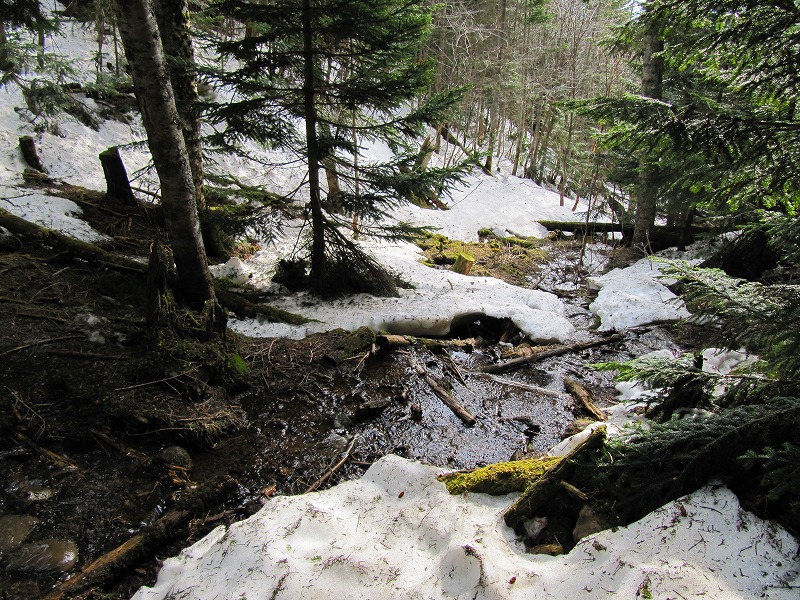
105,427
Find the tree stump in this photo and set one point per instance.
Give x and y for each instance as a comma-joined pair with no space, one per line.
117,183
28,148
463,264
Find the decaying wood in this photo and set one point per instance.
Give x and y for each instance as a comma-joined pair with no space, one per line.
117,183
244,308
463,263
516,363
108,440
582,395
60,461
28,148
65,243
540,493
335,467
143,545
393,341
445,396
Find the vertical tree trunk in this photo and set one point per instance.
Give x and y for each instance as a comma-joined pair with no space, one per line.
652,83
173,25
142,43
318,262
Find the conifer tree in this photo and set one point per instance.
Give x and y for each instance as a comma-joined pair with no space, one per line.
319,78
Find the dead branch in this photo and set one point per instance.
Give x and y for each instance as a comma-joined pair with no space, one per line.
60,461
528,387
582,395
335,467
559,350
445,396
43,342
541,491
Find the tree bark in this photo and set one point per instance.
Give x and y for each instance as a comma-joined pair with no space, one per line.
143,49
652,87
318,262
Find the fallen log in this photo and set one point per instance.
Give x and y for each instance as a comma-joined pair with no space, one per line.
541,491
64,243
582,395
392,341
445,396
516,363
143,545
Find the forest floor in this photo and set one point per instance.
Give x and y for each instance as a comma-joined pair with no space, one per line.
108,430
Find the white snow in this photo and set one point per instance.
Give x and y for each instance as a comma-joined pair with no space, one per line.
634,296
397,533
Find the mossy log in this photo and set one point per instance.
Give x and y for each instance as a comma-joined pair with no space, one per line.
143,546
499,479
244,308
541,492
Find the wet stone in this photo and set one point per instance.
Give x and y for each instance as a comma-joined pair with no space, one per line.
14,529
37,493
44,556
175,456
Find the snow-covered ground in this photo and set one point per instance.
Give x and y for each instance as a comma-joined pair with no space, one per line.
396,533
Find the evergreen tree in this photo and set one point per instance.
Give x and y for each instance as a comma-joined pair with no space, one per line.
319,78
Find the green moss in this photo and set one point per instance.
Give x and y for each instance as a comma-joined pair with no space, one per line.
499,478
235,363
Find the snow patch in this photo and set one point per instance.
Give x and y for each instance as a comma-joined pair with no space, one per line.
397,533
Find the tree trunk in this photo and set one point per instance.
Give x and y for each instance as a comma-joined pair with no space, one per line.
652,83
173,24
142,43
318,262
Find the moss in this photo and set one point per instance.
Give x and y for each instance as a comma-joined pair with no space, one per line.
236,364
499,478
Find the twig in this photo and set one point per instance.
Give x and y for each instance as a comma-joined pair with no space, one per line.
58,460
87,355
43,342
335,467
445,396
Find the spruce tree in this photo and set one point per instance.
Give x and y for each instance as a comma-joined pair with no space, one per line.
319,78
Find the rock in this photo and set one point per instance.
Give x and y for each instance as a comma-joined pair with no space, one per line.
44,556
176,456
36,493
533,527
372,408
14,529
589,522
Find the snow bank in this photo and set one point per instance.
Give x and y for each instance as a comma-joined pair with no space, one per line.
438,298
397,533
508,205
633,296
